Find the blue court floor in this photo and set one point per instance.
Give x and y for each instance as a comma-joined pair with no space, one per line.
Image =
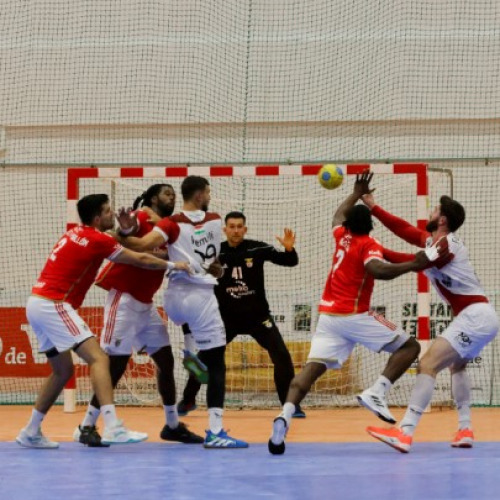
345,471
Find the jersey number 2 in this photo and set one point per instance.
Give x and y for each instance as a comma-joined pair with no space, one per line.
58,247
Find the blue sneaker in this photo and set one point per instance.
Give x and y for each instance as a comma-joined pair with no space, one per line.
299,412
222,440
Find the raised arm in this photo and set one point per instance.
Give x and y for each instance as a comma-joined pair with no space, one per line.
361,187
399,227
289,257
421,260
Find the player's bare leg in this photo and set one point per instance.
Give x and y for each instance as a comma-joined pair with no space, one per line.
299,387
114,431
62,370
374,398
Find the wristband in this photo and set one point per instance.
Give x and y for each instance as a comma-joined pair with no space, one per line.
170,265
125,232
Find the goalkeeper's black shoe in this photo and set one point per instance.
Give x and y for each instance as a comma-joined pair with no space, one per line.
180,434
89,436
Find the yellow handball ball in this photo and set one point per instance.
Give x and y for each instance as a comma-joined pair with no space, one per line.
330,176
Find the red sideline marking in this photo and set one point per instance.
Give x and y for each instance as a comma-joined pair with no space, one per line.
74,174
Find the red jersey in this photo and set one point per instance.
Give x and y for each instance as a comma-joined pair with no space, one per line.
349,286
142,284
72,266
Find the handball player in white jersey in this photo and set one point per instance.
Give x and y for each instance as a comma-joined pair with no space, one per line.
194,235
475,322
52,313
132,322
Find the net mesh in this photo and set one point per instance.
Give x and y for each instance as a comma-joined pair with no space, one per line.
246,81
270,204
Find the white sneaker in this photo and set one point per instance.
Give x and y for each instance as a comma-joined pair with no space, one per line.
276,444
377,404
76,434
118,434
36,441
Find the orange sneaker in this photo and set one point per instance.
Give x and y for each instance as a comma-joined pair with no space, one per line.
393,437
464,438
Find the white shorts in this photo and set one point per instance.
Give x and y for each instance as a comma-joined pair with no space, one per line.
473,328
197,306
56,324
131,325
336,336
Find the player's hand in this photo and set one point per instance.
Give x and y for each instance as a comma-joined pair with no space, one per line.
215,269
288,239
153,217
368,200
426,258
184,266
362,184
127,220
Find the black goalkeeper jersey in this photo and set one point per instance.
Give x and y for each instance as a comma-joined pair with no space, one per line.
240,291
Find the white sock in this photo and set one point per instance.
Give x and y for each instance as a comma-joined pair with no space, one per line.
215,419
109,415
91,416
189,343
381,385
35,422
460,388
420,397
171,416
287,412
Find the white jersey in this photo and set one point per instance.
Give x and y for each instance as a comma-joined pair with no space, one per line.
455,279
197,240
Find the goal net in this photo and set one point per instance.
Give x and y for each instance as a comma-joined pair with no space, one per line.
272,198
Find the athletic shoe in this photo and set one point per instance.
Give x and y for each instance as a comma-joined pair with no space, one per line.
36,441
377,404
299,412
118,434
464,438
193,365
276,444
222,440
181,434
184,408
88,436
394,437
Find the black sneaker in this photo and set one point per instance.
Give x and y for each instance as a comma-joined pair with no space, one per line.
181,434
89,436
299,412
184,408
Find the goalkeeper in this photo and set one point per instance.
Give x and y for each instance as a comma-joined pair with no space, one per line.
243,303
